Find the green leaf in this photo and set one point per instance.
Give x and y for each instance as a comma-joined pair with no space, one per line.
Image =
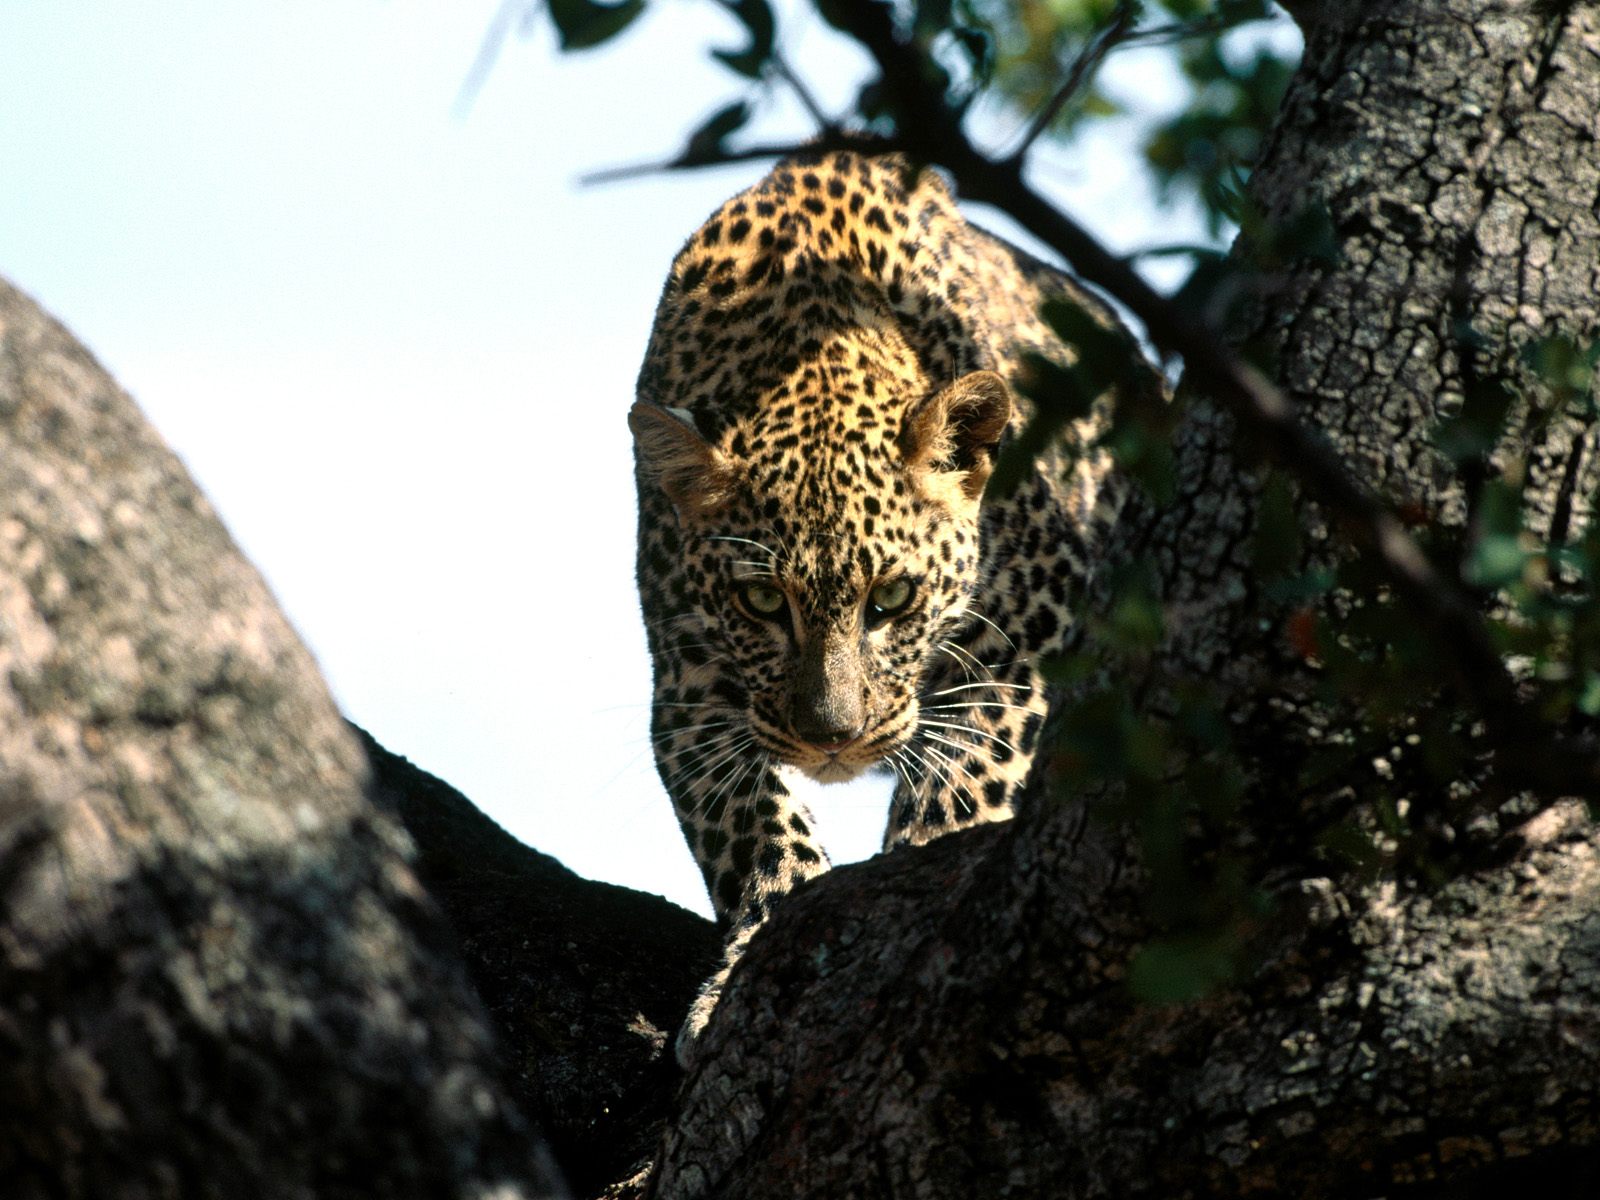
1476,430
1297,589
932,16
581,24
1146,457
1353,844
705,143
756,15
1135,621
1501,551
1059,394
1565,368
1589,698
1105,352
1178,969
1276,546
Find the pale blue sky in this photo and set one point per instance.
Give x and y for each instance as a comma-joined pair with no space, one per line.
395,342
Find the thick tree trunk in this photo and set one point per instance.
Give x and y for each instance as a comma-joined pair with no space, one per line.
955,1021
219,976
585,982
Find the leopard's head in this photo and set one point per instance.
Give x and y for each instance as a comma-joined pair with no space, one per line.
832,543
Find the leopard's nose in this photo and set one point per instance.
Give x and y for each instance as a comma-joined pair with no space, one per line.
830,740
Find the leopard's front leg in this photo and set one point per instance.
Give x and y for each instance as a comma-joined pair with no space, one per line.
750,836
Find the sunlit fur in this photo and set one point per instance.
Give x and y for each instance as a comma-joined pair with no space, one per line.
834,358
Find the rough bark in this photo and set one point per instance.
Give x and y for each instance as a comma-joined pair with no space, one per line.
585,982
218,973
954,1021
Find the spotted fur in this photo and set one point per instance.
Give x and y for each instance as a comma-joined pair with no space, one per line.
819,408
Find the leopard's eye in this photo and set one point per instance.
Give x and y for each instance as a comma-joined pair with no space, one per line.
762,599
887,599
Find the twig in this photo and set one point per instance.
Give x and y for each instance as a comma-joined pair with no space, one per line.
1117,28
781,67
838,139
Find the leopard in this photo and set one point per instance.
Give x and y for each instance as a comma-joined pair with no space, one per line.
837,361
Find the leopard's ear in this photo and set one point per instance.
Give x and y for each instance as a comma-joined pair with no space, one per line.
694,474
956,431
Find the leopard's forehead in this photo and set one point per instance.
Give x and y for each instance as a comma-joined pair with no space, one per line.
829,513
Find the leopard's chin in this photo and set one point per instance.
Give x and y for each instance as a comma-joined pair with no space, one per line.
833,771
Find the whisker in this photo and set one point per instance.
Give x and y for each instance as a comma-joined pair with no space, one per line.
703,762
730,784
685,730
970,803
993,737
951,651
698,765
944,741
722,537
994,683
974,612
688,616
974,704
942,773
966,654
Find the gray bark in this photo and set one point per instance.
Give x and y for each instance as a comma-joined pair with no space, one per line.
219,975
584,982
954,1020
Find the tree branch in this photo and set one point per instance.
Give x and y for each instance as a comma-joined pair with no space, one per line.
1088,60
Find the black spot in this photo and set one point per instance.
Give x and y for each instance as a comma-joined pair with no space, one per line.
728,889
1041,626
713,842
770,859
744,852
798,824
693,277
1030,733
805,854
739,231
994,793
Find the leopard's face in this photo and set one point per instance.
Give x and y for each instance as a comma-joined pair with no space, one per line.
830,545
827,618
